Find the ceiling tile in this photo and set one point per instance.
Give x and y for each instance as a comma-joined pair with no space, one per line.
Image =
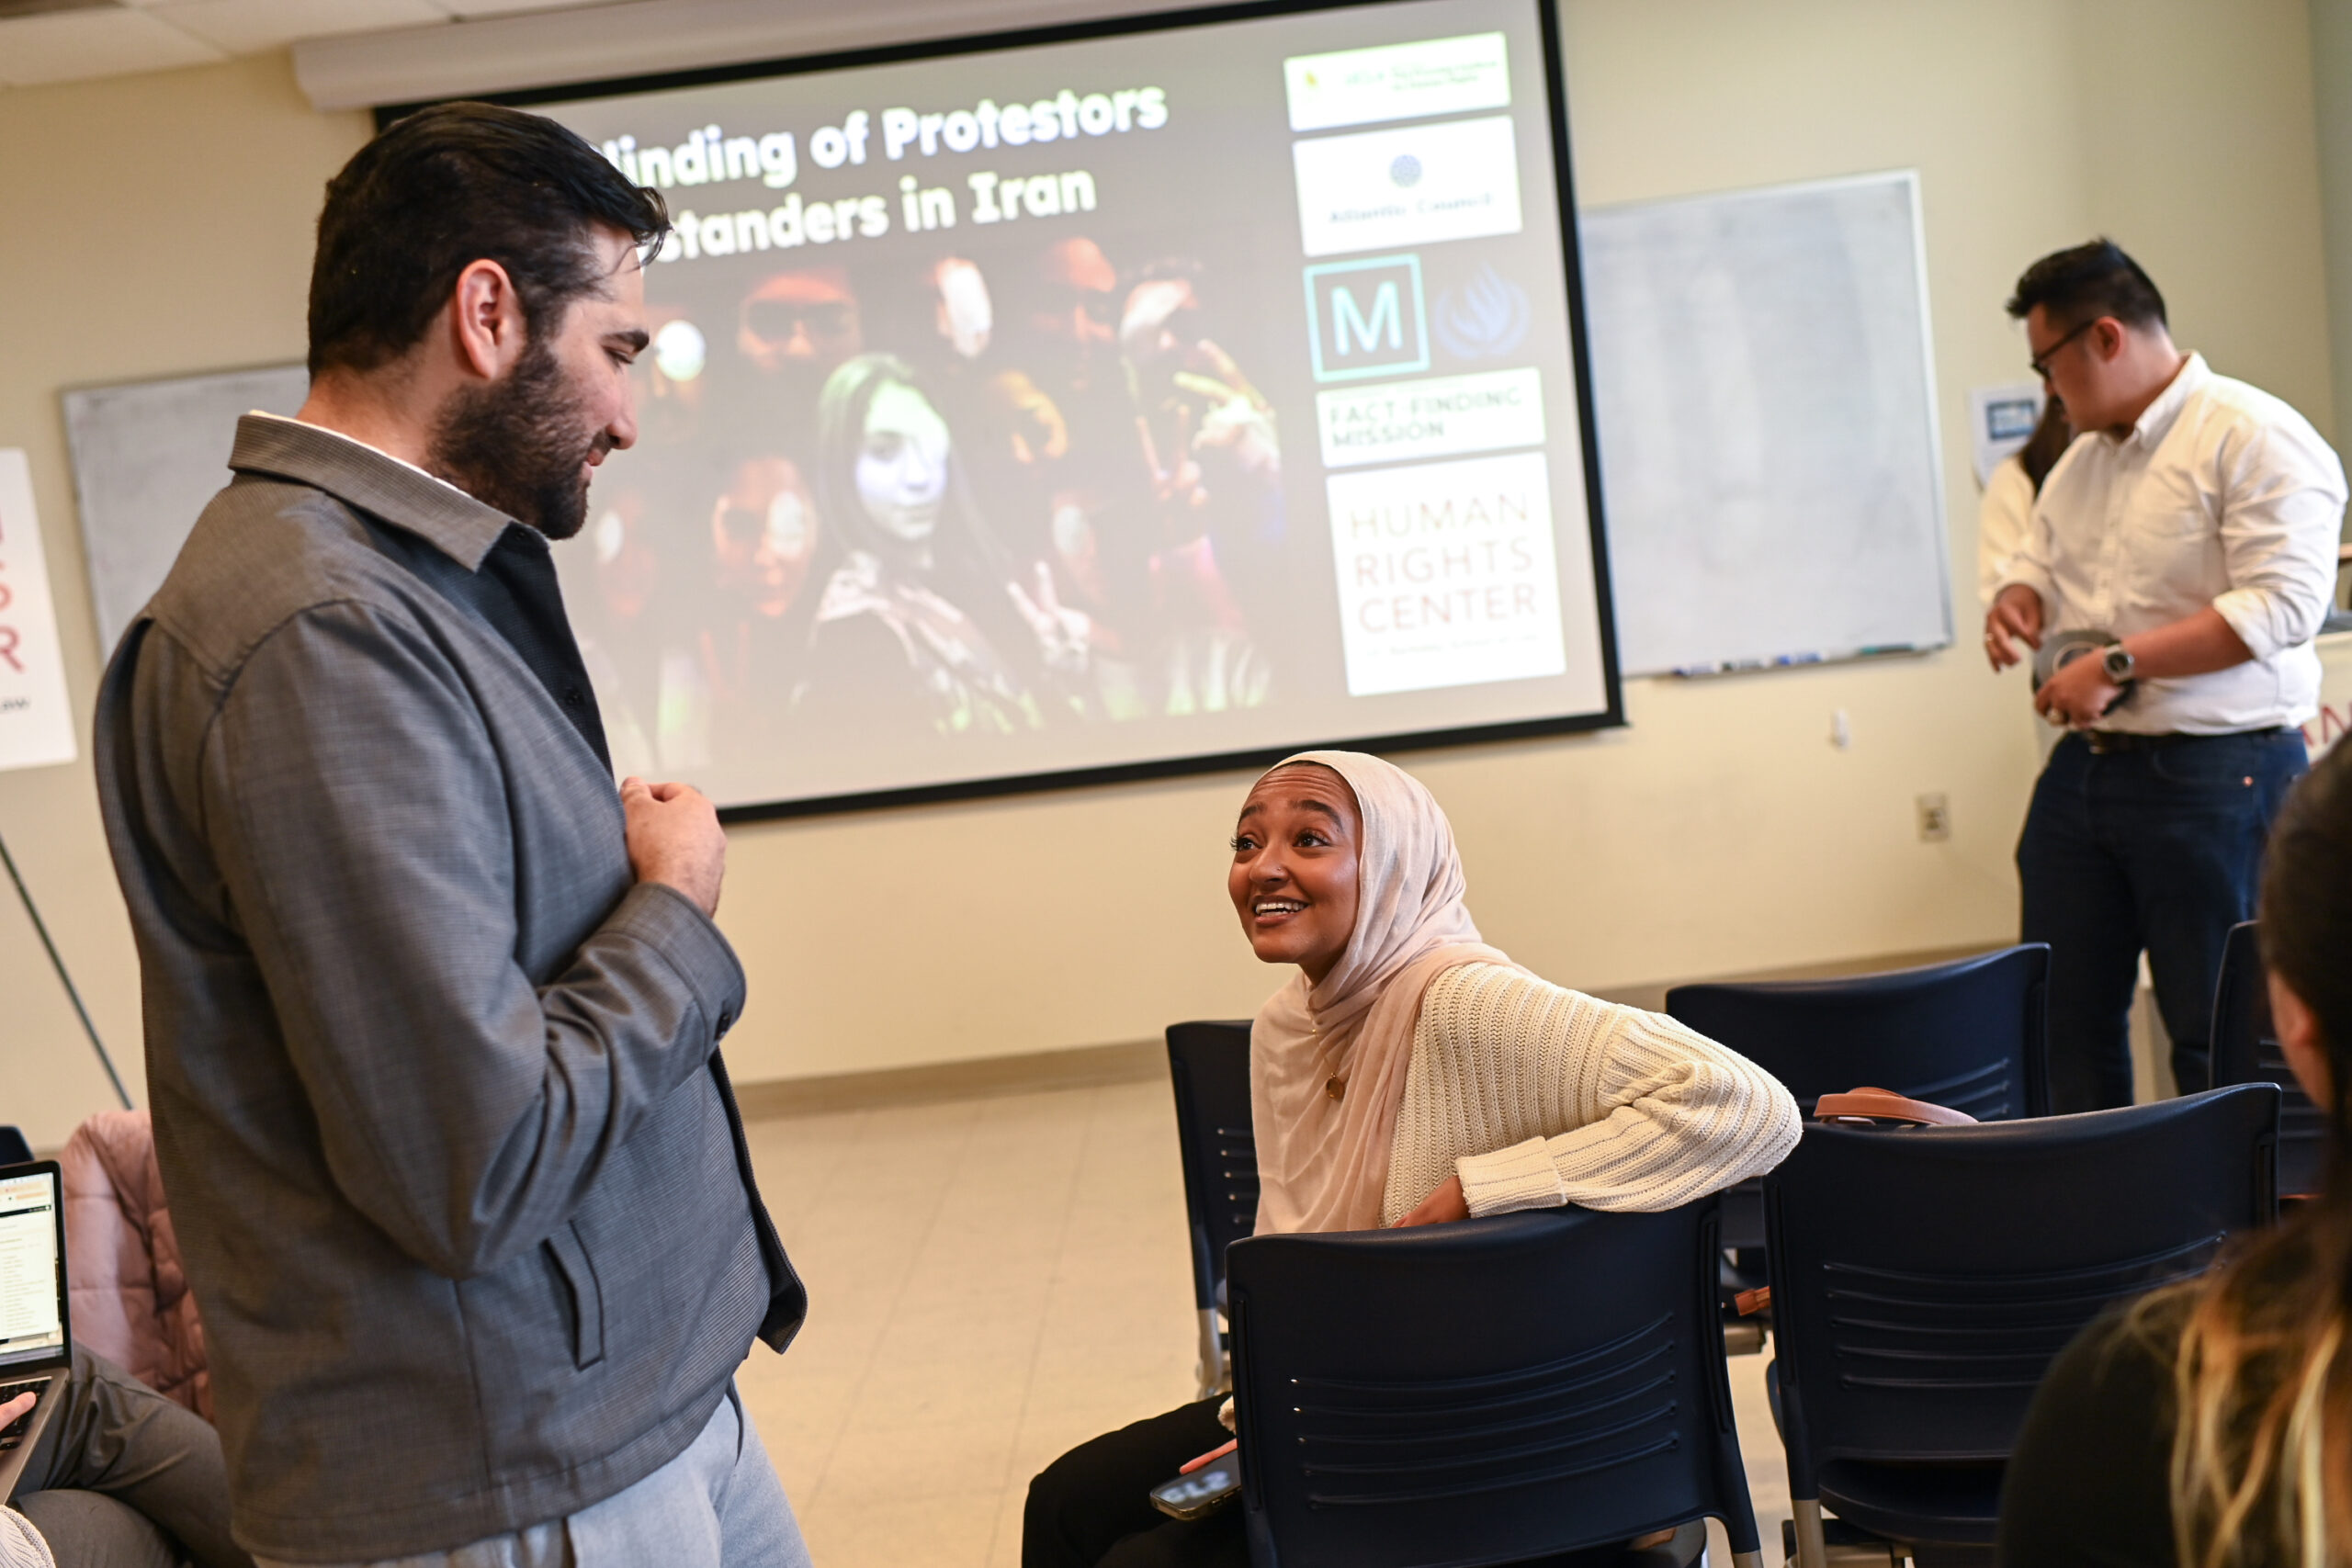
73,46
248,26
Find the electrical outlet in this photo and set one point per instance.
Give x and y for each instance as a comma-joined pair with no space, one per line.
1935,819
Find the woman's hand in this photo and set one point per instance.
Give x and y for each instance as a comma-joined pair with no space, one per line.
1441,1207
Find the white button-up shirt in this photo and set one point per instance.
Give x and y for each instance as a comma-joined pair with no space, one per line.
2221,495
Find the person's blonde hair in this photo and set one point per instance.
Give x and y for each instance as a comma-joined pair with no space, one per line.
2262,1375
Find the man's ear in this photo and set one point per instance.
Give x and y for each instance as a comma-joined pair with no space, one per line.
2108,338
486,321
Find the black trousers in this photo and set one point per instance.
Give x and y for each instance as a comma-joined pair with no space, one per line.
1092,1508
124,1478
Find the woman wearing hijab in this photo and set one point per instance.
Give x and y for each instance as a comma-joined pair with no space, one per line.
1408,1074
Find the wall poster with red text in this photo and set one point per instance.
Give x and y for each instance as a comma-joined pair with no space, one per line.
35,722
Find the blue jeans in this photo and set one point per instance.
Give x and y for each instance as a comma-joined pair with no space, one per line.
2159,850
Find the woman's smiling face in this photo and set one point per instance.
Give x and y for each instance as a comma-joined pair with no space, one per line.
1295,851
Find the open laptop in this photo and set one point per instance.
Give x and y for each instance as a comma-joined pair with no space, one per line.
36,1351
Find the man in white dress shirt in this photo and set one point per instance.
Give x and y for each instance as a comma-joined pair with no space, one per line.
2196,520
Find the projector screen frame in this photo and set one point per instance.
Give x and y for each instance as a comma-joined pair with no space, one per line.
1610,715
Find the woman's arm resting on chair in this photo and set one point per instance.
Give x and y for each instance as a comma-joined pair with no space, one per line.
1654,1114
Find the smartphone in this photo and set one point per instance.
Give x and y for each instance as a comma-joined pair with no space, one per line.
1203,1492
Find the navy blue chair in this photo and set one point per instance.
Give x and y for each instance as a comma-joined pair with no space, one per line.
1501,1391
14,1150
1923,1280
2247,1050
1209,1066
1971,1035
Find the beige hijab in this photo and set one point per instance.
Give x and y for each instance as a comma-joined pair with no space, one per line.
1323,1163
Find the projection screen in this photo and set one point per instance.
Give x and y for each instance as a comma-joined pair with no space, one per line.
1121,401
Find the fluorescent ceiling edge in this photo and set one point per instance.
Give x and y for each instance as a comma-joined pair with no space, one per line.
548,49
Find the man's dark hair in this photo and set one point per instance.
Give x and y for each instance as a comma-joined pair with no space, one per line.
2085,282
446,188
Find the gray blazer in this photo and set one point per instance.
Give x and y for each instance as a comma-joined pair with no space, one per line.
459,1181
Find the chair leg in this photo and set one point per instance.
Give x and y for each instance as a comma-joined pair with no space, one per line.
1813,1552
1210,1370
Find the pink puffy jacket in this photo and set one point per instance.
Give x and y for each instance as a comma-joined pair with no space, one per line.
129,1298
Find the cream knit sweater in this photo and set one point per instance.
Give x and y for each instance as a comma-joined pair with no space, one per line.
1539,1095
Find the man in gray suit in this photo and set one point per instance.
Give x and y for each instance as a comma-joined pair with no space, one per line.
432,1011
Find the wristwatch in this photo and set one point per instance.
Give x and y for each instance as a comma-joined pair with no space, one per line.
2119,664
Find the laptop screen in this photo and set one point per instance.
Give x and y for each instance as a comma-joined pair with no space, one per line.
33,1272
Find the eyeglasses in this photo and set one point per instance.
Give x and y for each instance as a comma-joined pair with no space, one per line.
2040,365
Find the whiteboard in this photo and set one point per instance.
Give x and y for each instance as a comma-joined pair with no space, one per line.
1765,395
146,458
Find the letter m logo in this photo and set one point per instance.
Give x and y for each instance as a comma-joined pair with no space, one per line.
1347,323
1366,317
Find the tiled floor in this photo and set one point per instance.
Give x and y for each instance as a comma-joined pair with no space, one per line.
993,1282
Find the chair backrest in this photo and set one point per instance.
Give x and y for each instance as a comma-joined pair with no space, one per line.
1969,1034
2247,1050
1209,1066
14,1150
1488,1392
1924,1278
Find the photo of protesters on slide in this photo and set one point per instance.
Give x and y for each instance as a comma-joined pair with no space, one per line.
822,451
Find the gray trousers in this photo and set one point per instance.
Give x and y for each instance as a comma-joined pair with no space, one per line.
123,1478
719,1504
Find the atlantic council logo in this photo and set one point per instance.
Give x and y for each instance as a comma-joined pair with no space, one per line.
1486,318
1403,186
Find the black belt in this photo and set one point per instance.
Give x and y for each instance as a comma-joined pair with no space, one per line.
2103,741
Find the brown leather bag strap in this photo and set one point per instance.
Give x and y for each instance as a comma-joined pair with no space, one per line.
1884,1105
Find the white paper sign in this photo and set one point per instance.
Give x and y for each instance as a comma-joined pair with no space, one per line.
1386,189
1999,421
1447,574
1434,418
1397,81
36,724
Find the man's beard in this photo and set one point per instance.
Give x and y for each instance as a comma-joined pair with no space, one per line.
517,444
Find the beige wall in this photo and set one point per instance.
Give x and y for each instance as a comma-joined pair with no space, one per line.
2331,25
1721,831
